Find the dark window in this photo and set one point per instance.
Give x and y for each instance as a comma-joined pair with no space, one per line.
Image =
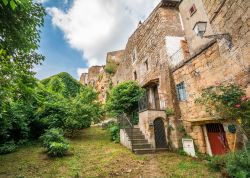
192,10
146,65
135,75
134,55
181,92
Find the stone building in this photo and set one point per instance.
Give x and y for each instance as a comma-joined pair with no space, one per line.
221,56
182,48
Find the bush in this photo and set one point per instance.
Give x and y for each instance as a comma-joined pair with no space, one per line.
55,143
110,67
57,149
7,147
234,164
124,98
114,131
169,112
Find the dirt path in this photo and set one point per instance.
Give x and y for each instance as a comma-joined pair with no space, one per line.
151,169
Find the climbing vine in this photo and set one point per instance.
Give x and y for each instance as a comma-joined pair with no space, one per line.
228,102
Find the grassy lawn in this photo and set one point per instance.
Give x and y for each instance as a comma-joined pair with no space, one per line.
93,155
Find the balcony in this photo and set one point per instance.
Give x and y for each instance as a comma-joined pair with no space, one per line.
178,57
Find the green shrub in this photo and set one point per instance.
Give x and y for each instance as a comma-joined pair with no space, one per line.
234,164
54,142
238,165
124,98
114,131
110,67
217,163
7,147
57,149
169,112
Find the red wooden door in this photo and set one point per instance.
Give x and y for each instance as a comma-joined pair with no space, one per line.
217,139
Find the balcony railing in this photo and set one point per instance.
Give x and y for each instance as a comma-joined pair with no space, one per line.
178,57
143,103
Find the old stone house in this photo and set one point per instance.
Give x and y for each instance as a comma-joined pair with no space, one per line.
182,48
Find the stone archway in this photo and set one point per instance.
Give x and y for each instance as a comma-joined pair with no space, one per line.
159,132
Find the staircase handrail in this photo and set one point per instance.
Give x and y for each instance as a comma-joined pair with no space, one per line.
123,117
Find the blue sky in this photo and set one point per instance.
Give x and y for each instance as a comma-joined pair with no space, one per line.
60,57
78,33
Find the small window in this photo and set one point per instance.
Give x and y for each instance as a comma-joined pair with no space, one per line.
135,75
134,55
181,91
192,10
146,65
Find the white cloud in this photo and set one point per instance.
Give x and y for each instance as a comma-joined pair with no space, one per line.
40,1
81,70
95,27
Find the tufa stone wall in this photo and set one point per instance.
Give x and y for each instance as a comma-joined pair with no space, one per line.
84,79
189,21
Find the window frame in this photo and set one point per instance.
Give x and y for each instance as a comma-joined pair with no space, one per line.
181,91
134,55
192,12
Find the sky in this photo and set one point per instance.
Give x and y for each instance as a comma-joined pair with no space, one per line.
78,33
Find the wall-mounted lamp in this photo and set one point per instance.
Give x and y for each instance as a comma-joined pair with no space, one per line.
200,29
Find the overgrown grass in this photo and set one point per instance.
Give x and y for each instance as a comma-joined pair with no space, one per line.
93,155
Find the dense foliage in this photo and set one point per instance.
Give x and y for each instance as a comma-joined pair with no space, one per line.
62,84
54,142
124,98
110,67
114,131
27,106
71,108
228,102
233,164
20,23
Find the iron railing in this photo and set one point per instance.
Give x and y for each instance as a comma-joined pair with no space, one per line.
143,103
178,57
127,125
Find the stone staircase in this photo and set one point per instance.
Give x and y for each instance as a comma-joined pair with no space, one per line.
139,143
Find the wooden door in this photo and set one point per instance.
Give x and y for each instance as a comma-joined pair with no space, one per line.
217,139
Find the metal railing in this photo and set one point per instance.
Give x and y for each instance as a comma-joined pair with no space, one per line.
127,125
178,57
143,103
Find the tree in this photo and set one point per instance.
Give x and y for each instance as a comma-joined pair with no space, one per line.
19,36
20,25
124,98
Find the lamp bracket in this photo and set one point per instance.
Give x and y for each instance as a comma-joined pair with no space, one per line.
225,36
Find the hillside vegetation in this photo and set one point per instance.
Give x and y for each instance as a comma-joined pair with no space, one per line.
63,84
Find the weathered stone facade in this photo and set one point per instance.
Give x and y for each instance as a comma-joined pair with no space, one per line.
213,62
164,52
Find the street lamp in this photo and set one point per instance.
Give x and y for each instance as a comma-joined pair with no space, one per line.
200,29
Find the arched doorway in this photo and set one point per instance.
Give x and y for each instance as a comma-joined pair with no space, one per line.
160,136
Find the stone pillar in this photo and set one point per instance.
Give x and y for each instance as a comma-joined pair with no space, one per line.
199,139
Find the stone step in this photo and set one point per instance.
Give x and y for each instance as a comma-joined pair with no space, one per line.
138,141
134,130
137,137
144,151
142,146
135,134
